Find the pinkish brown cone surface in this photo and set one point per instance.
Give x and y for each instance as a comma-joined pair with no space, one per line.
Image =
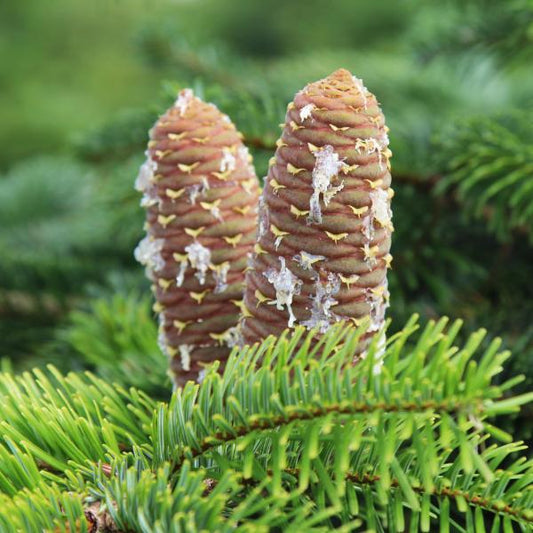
324,237
200,194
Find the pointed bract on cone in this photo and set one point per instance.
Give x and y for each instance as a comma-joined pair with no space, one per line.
200,194
324,237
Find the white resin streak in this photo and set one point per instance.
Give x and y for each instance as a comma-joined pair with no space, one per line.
286,285
185,356
148,253
220,273
363,91
321,315
146,174
228,161
327,166
184,99
263,218
200,259
380,208
306,111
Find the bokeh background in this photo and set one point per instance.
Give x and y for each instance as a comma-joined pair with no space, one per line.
82,82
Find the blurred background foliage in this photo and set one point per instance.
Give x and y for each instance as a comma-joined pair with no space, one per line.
82,82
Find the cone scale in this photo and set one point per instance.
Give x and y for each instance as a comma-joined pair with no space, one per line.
200,194
322,250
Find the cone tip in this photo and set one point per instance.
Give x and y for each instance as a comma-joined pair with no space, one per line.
341,74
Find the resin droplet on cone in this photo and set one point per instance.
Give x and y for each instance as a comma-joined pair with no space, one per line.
325,226
200,194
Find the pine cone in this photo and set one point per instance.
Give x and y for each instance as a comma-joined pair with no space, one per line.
200,194
324,218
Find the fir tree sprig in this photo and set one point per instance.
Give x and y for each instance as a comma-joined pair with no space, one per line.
71,420
488,163
291,435
117,337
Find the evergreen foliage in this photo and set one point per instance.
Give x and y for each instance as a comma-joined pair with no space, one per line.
117,337
291,435
283,440
489,162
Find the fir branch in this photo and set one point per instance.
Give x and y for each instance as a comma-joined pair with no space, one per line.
488,163
521,513
69,420
450,28
302,412
117,337
46,508
226,421
138,499
468,492
303,428
474,495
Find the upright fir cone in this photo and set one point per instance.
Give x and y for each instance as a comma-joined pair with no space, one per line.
200,194
324,218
